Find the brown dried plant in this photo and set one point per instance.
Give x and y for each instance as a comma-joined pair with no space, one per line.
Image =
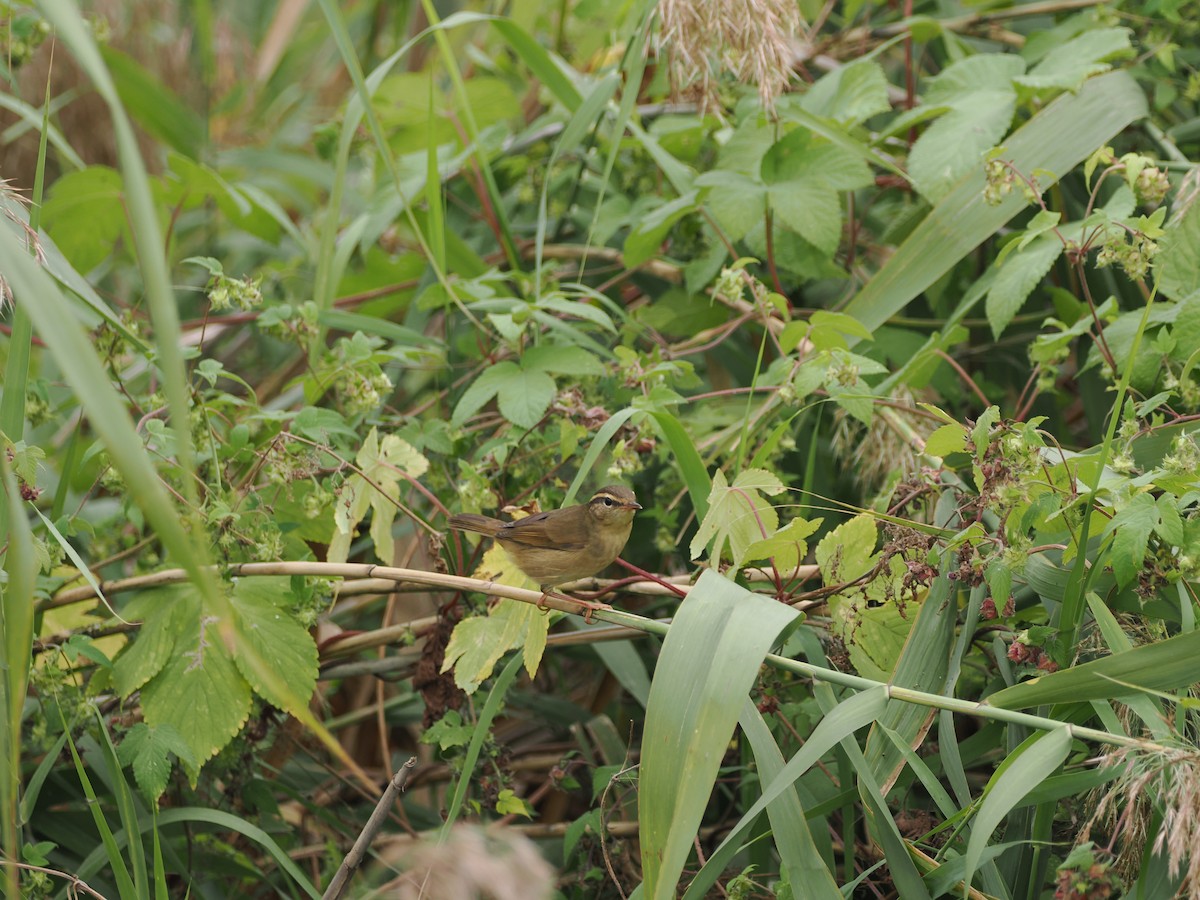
10,200
751,39
1170,776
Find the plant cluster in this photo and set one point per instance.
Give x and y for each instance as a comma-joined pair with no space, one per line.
889,317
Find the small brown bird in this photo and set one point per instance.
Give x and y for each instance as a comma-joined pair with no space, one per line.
562,545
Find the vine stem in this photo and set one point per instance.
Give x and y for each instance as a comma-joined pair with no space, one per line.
652,626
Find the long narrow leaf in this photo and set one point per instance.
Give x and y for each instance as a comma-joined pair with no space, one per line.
1056,140
1028,766
806,870
708,663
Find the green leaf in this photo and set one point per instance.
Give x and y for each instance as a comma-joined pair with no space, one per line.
153,105
737,201
874,635
149,750
786,546
946,440
847,552
802,156
1058,138
979,94
1017,277
1170,523
478,642
84,215
482,389
849,94
1178,262
793,838
857,711
375,487
561,359
922,664
285,645
1132,527
525,397
810,209
1069,65
1039,757
646,236
738,516
709,660
200,692
164,610
1044,222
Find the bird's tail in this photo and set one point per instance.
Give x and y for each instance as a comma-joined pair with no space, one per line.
479,524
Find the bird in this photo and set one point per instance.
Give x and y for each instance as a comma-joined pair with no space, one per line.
562,545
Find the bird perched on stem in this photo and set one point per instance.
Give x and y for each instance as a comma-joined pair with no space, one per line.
562,545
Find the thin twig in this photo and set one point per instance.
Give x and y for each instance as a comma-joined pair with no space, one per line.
358,852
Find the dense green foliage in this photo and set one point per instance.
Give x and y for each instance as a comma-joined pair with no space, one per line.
890,317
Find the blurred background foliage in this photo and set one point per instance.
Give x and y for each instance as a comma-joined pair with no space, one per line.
888,312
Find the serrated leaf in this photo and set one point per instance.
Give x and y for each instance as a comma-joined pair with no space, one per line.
148,750
280,641
804,174
848,551
737,201
802,156
478,643
524,397
164,611
737,515
1170,523
561,359
850,94
979,94
1131,527
1018,276
857,401
946,440
377,488
482,389
1068,65
200,692
812,210
874,635
786,546
954,145
1045,221
1178,263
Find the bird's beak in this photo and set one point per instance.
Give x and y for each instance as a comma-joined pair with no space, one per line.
632,504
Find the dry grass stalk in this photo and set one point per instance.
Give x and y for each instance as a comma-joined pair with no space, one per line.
750,39
1172,778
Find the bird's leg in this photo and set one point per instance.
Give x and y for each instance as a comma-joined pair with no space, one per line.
587,606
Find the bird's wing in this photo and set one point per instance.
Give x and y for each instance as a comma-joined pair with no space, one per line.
531,532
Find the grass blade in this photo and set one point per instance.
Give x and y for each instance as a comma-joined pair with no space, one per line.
708,663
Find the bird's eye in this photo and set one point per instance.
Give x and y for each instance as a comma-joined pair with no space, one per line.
608,501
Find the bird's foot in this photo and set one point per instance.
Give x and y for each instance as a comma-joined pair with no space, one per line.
586,606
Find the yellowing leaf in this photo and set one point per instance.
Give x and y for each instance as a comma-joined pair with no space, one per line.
847,552
377,488
947,439
873,635
738,516
478,642
787,545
